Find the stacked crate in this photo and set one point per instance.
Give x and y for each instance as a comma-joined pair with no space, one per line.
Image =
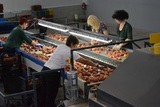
38,12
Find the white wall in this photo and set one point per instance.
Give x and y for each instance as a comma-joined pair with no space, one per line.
16,5
144,14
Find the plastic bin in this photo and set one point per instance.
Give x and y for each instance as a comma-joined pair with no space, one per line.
11,67
36,7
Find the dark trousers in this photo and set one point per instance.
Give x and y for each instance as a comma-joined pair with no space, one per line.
50,85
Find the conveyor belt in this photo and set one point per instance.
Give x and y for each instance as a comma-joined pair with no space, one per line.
99,57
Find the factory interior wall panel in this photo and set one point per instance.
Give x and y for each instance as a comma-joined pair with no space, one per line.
59,12
13,6
68,11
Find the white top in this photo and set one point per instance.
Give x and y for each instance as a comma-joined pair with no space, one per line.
59,57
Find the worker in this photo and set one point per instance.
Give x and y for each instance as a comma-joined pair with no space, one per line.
97,25
17,37
58,60
124,29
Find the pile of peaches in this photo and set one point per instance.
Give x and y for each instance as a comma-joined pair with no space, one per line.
91,74
3,38
82,45
98,50
56,36
42,53
116,54
111,53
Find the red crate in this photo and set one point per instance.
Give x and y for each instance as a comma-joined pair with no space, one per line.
36,7
1,7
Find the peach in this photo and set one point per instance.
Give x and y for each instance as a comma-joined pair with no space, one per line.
105,76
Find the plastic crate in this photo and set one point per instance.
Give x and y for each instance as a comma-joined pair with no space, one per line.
36,7
1,7
47,13
11,67
42,13
50,11
12,82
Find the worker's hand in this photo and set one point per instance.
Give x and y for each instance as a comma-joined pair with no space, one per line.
117,47
34,43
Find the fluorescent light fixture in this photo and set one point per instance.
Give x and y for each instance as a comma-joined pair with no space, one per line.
73,32
89,37
53,27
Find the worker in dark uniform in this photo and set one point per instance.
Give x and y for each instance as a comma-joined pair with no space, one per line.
124,29
17,37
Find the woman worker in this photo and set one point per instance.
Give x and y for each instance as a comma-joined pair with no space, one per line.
56,61
17,37
124,29
97,25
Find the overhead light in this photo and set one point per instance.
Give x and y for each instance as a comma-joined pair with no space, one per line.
61,28
55,28
52,26
89,37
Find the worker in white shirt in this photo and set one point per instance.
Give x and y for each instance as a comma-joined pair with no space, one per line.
59,60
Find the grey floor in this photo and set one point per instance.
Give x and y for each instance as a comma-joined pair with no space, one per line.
137,34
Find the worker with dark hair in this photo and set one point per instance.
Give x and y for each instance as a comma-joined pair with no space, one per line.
124,29
17,37
59,60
